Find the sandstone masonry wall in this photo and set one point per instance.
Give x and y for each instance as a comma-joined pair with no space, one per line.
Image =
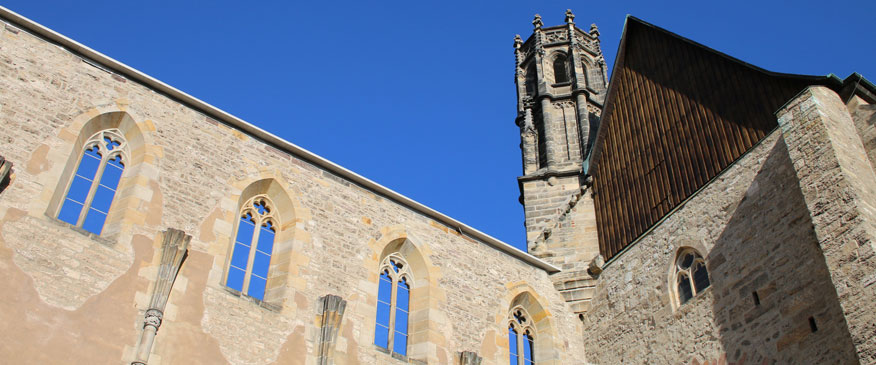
836,180
79,298
752,226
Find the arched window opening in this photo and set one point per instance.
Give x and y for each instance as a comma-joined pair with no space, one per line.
253,244
531,80
393,305
91,191
691,274
561,70
520,338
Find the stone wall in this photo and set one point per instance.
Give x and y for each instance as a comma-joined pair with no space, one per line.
752,226
837,182
81,298
864,116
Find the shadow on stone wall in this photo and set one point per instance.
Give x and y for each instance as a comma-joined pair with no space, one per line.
769,251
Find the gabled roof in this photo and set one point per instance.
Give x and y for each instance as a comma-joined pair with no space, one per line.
677,113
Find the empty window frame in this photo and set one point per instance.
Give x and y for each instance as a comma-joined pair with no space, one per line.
520,338
253,244
393,305
691,275
92,188
561,69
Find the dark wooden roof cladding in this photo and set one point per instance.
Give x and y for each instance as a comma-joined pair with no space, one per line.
676,115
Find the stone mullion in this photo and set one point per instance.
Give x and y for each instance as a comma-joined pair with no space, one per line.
252,250
95,182
690,279
520,352
392,302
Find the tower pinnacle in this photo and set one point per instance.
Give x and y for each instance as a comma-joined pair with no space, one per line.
570,18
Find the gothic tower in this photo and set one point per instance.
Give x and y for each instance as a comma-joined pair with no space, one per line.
561,84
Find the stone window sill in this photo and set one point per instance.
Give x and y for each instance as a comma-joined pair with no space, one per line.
109,241
260,303
398,356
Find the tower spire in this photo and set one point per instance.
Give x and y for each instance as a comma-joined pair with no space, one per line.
570,18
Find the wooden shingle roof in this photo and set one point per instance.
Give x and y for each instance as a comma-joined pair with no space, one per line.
677,113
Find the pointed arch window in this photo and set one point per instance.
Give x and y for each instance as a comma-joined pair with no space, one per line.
253,244
561,69
93,186
520,338
691,275
393,305
531,80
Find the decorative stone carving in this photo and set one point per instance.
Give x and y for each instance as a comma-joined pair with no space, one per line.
173,252
469,358
570,18
153,318
518,55
536,22
331,312
565,104
5,173
594,109
556,36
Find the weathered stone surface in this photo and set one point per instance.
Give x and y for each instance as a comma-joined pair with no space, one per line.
190,172
60,258
752,226
837,182
330,312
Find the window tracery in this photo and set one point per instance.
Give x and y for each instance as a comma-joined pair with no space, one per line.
393,305
253,245
691,275
93,185
520,337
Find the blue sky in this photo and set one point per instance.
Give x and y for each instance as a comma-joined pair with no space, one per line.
420,96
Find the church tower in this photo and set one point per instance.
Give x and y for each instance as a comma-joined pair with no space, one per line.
561,84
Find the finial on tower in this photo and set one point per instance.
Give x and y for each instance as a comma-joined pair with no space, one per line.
594,30
517,41
537,23
570,18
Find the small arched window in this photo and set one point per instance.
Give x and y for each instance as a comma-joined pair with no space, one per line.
691,275
253,244
520,338
393,305
561,69
91,191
